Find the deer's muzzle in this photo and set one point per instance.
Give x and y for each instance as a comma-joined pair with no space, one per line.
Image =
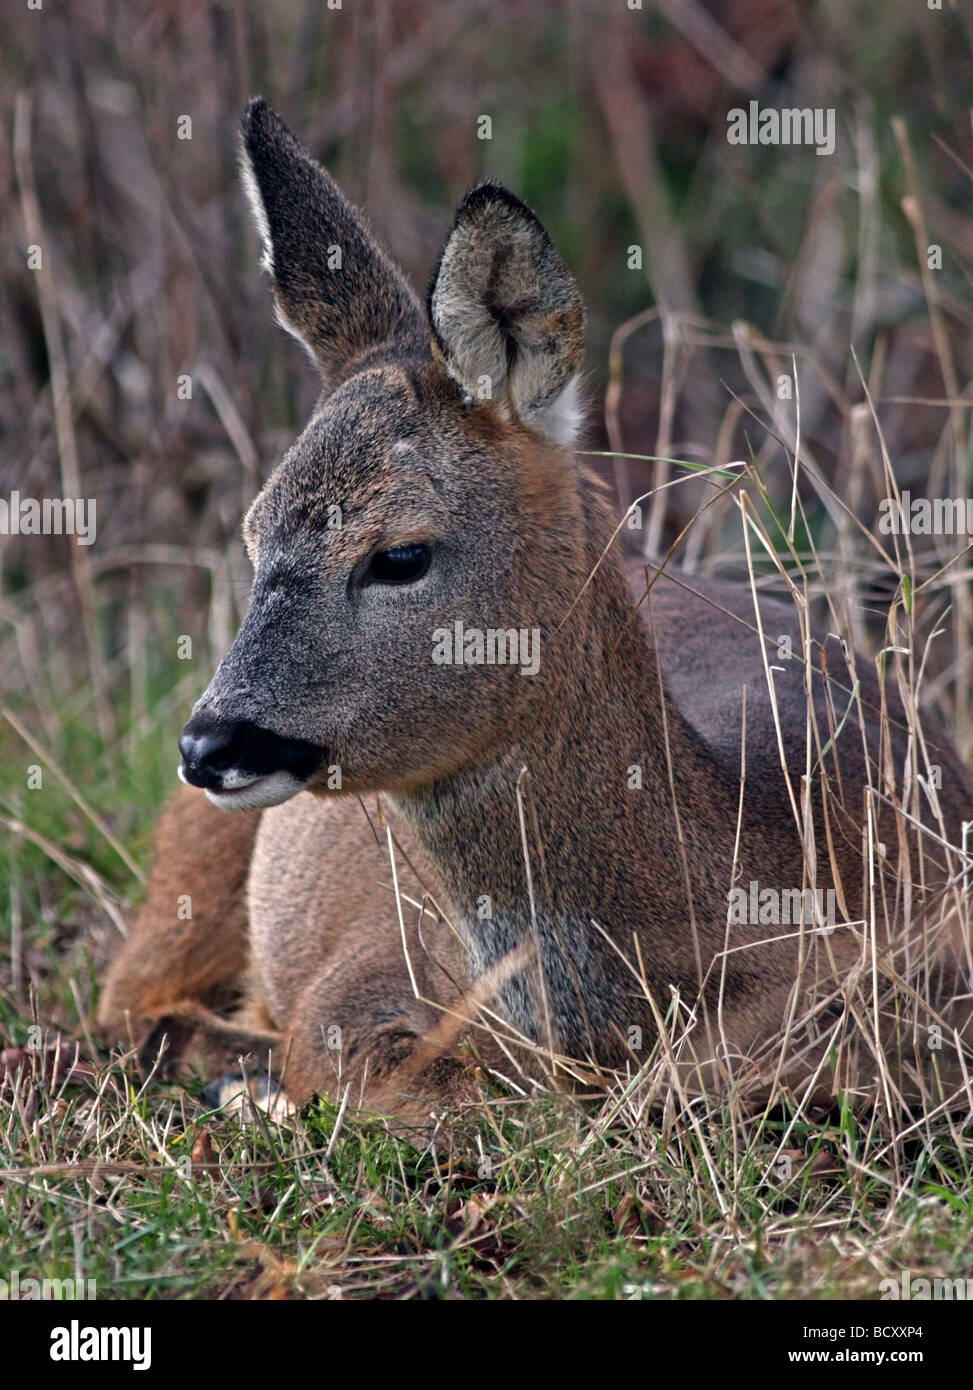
241,765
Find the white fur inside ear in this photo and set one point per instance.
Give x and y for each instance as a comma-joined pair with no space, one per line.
561,419
477,348
252,190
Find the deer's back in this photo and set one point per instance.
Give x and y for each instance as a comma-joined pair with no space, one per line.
710,649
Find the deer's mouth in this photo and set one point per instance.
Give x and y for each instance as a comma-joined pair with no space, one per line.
241,765
252,793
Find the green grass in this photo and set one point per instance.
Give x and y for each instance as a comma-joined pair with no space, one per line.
559,1216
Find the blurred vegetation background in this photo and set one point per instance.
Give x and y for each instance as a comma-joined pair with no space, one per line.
612,122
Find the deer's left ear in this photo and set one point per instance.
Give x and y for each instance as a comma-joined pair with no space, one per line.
507,317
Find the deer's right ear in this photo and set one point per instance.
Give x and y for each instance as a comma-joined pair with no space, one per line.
334,288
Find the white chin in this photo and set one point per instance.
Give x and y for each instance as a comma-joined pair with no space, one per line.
263,791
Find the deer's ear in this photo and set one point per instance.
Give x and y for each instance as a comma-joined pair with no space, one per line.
507,317
334,288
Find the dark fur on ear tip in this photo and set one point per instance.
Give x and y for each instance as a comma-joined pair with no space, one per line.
490,191
262,129
254,114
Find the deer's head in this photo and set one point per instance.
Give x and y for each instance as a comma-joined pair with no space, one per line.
431,486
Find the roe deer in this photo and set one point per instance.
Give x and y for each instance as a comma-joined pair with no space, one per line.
570,827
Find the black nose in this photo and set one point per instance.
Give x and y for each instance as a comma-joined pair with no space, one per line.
208,751
212,747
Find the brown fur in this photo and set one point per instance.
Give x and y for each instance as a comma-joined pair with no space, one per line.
171,958
606,901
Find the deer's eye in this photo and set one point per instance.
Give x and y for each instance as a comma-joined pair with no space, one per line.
400,564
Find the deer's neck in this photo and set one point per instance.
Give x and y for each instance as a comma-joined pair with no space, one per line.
583,846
